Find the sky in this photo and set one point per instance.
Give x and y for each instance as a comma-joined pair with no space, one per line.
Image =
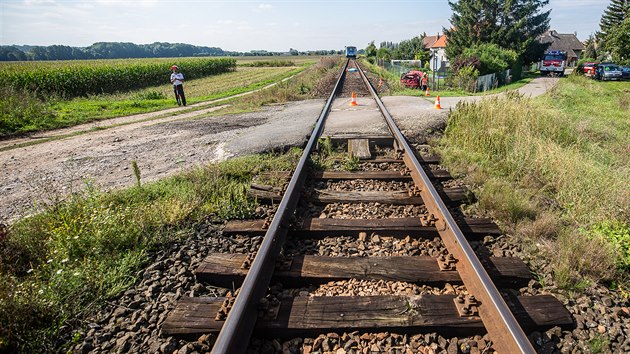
250,25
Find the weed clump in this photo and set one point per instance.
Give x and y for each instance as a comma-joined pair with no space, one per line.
22,111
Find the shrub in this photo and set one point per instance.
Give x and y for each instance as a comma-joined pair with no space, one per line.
270,63
493,58
466,78
21,111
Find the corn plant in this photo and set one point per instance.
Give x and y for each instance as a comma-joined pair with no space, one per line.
89,77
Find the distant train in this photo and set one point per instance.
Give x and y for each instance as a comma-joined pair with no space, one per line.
351,52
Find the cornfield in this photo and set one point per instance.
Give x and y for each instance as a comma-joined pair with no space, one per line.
89,77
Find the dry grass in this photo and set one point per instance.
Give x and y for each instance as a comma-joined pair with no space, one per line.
553,169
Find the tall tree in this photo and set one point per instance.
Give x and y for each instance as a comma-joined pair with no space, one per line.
614,15
618,42
590,47
410,49
370,50
615,31
510,24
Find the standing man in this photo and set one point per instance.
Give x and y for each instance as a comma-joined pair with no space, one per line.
425,82
177,79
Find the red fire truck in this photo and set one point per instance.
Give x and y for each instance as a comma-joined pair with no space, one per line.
553,63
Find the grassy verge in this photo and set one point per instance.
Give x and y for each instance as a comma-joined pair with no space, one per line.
554,171
296,89
58,266
23,112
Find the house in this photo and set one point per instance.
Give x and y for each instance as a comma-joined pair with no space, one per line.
437,47
568,43
438,54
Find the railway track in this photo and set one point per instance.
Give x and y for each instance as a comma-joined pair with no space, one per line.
390,222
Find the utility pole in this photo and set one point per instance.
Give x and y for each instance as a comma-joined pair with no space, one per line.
434,70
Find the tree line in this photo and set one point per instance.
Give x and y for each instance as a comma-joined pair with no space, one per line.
409,49
124,50
107,50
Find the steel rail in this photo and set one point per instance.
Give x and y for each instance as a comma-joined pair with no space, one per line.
239,324
495,314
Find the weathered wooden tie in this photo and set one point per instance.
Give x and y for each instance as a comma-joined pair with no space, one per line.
226,270
359,148
306,316
438,174
473,228
269,194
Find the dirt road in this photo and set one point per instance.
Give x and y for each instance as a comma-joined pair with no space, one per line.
49,171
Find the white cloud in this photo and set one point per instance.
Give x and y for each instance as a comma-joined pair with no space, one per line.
265,7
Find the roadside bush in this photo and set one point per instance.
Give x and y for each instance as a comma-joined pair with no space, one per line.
493,58
465,78
149,95
462,62
270,63
22,111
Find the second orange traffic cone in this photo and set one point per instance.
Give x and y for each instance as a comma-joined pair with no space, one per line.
380,81
437,103
353,101
427,93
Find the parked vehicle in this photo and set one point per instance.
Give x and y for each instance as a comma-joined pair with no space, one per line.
411,79
589,68
608,71
554,62
625,72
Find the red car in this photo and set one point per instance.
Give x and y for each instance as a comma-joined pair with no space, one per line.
589,68
411,79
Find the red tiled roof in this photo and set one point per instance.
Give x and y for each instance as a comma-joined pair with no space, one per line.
428,41
440,43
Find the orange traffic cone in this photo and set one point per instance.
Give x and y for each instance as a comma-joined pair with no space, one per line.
380,81
437,103
427,93
353,101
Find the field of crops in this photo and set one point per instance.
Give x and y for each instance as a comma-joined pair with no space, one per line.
23,111
89,77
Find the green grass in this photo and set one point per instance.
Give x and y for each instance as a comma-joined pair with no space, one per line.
553,170
296,89
61,265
